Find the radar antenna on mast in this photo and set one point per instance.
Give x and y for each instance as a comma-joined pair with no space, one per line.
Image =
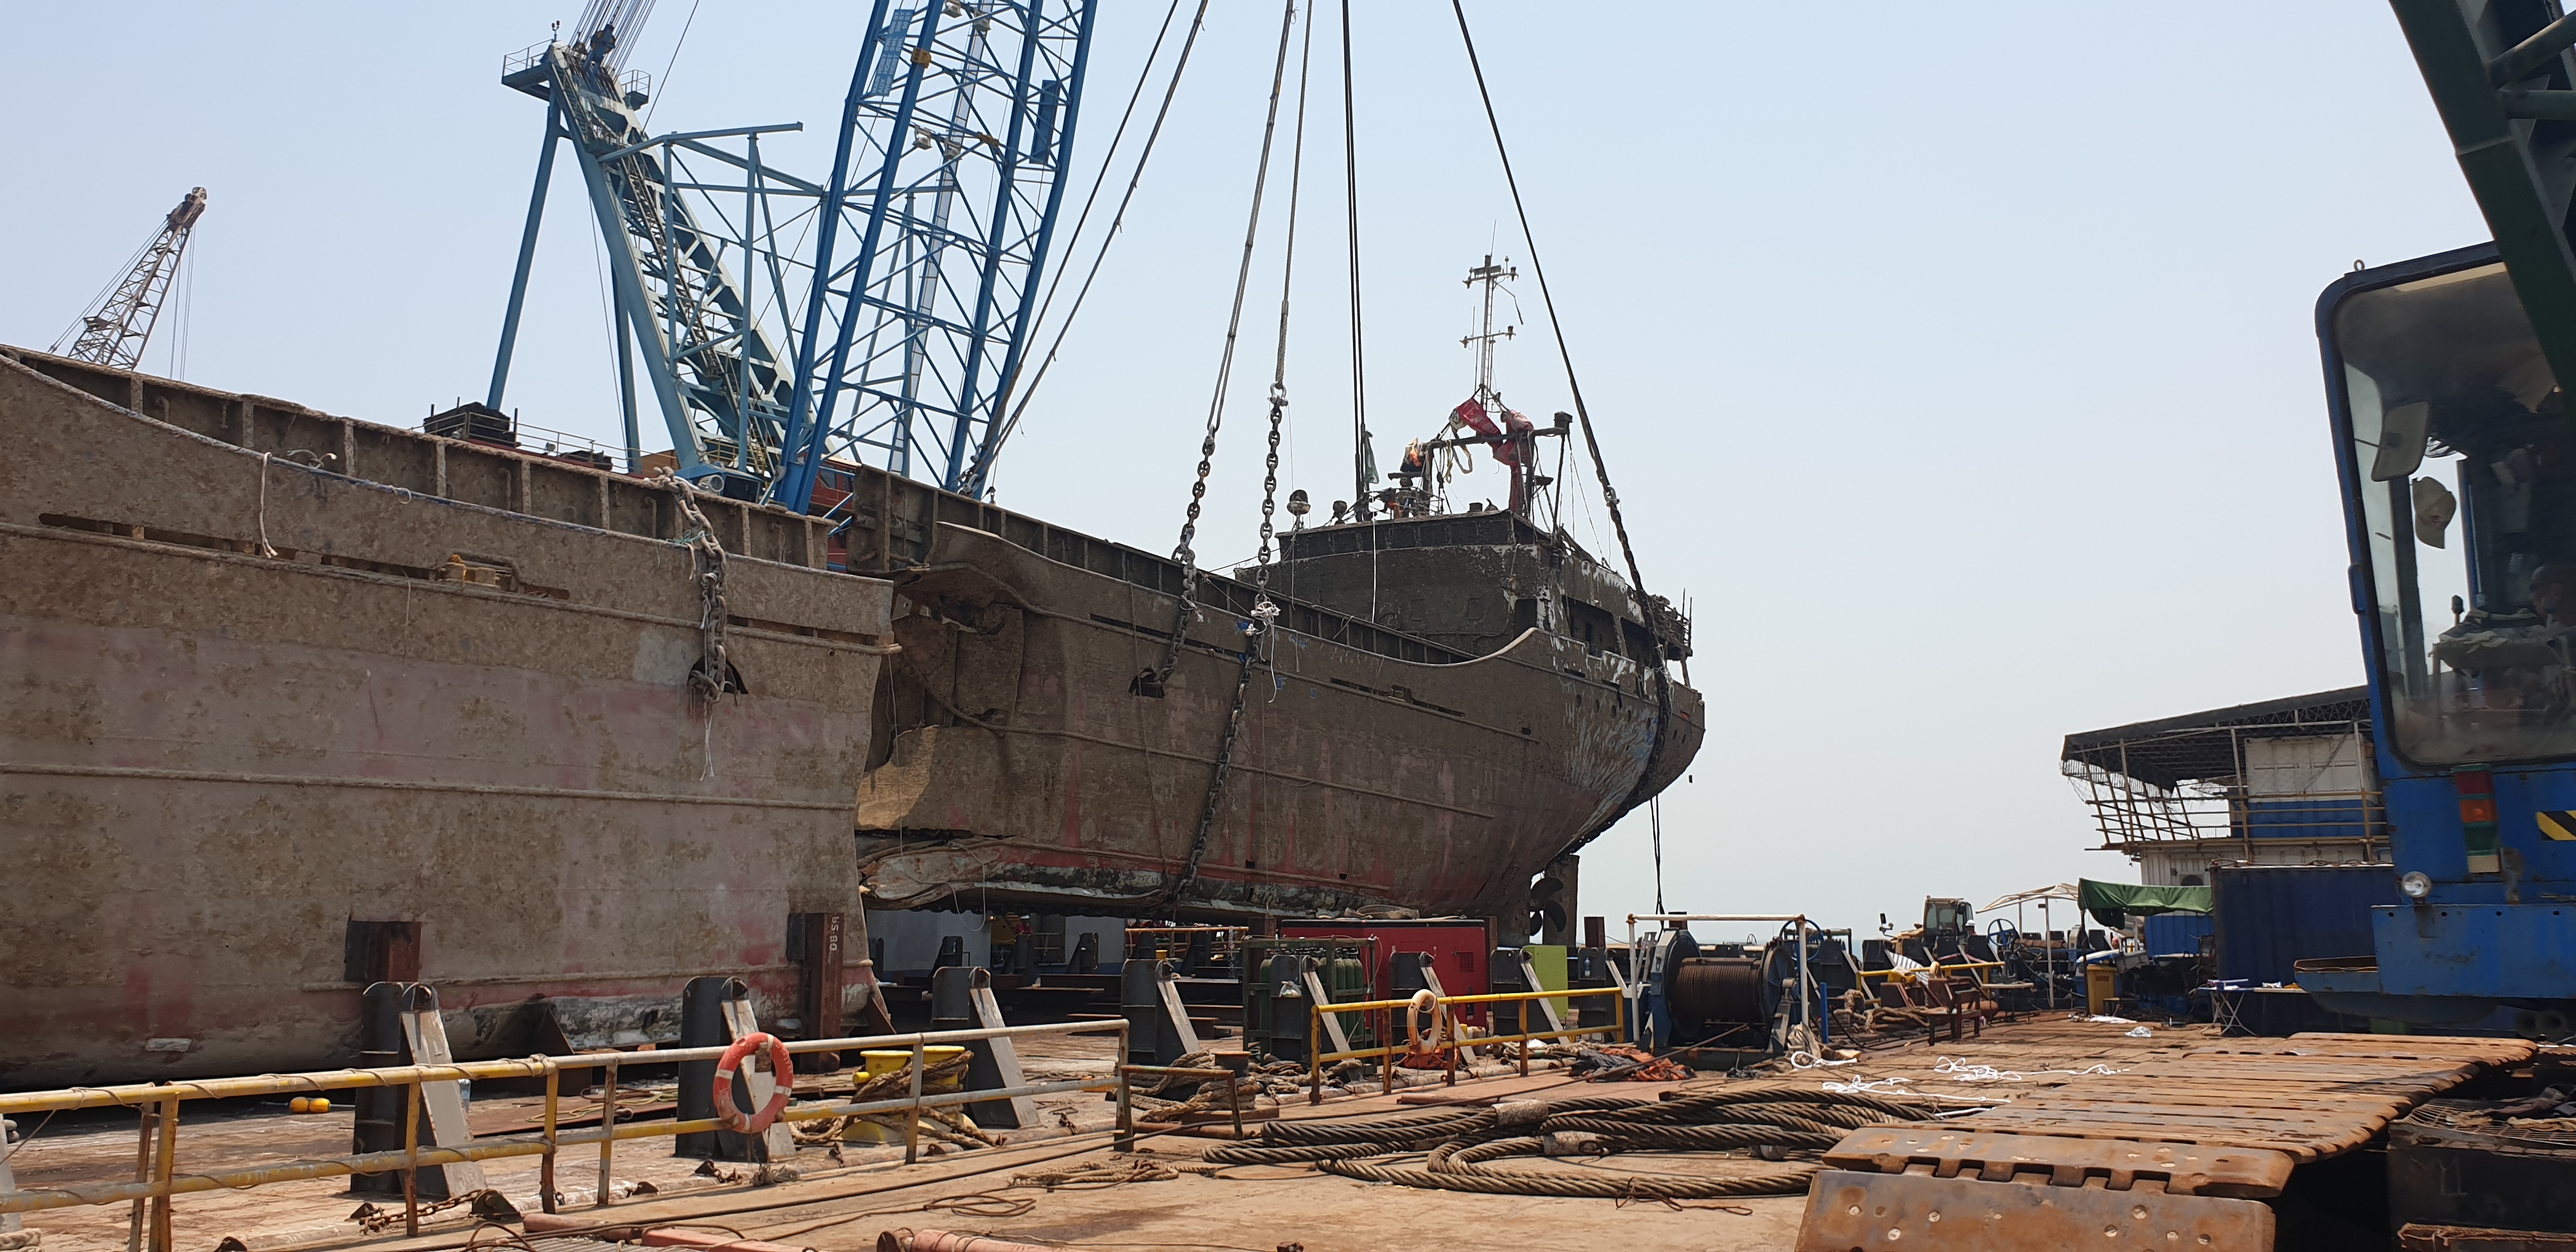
119,323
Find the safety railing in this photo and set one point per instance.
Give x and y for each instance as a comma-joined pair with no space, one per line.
1934,969
1124,1139
158,1178
1449,1041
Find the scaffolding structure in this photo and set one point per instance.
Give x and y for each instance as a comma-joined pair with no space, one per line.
2230,781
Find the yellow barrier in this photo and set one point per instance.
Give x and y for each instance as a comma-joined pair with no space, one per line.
1316,1058
158,1180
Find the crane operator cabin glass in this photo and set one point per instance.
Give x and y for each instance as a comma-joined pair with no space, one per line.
2466,470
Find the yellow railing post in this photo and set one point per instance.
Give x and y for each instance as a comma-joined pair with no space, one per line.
1124,1138
148,1119
165,1150
1314,1054
608,1131
411,1160
546,1168
912,1122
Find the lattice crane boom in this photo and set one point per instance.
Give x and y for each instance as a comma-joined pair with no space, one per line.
117,327
897,333
684,273
940,211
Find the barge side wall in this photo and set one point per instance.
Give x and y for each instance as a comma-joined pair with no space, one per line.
213,760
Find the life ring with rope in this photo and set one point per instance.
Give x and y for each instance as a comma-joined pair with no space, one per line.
781,1065
1414,1042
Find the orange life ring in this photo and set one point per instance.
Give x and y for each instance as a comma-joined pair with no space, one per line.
783,1066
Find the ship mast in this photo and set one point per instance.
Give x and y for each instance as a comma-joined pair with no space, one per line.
1492,276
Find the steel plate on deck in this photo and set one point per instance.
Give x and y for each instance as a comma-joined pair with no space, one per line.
1855,1212
2183,1168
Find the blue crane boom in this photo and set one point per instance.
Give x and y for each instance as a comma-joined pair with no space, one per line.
899,335
684,277
939,213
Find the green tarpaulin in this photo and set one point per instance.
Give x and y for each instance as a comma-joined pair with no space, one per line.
2106,901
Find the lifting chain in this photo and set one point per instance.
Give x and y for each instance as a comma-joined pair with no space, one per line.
1152,681
713,675
1263,611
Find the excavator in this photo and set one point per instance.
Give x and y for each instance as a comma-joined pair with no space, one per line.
2456,456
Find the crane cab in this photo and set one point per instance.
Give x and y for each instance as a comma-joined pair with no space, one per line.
2457,461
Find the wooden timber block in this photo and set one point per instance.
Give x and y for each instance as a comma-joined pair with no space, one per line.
2184,1168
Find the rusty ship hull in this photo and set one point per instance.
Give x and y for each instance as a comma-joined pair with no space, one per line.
253,712
1434,769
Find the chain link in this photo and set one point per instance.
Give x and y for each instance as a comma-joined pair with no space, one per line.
1263,611
712,676
1150,683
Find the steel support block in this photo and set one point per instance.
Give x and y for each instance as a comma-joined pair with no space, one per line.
1916,1212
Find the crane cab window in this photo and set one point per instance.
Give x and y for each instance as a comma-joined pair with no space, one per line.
2463,475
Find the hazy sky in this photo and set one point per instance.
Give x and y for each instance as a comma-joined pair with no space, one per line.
1965,380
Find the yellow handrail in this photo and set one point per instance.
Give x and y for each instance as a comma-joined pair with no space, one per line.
161,1181
1316,1059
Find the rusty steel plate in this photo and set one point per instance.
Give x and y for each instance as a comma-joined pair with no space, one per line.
2183,1168
1856,1212
2414,1238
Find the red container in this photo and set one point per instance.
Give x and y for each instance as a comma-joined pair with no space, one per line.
1460,948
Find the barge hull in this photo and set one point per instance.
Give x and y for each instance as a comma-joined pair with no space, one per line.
249,707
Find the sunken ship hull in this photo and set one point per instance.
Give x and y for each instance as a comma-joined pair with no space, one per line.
269,733
1444,706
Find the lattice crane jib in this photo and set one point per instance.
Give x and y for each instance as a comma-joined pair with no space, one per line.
698,278
942,205
718,376
118,325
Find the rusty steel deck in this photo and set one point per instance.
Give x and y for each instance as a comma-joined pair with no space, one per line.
2170,1151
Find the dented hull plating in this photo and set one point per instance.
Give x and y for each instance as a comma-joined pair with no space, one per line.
214,760
1022,767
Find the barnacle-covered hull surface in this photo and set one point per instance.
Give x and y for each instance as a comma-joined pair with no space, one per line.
1443,706
290,702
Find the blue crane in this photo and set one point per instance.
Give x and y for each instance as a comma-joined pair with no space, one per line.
893,329
939,212
685,272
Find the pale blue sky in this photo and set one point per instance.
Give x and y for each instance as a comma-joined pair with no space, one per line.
1956,360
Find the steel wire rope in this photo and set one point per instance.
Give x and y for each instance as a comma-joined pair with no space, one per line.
983,467
1762,1115
1591,444
81,322
1182,551
1257,627
663,83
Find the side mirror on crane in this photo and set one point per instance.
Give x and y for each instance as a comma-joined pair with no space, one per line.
2401,441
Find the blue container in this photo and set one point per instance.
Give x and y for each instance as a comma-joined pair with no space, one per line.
2269,916
2177,934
